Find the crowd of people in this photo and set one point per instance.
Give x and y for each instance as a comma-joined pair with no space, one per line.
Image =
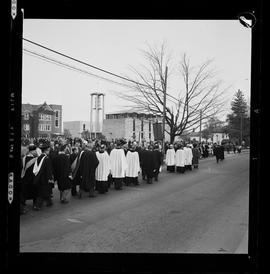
81,167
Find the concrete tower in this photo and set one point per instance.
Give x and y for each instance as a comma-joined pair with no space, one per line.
96,114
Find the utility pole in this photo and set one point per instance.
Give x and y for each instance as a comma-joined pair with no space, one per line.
200,126
241,127
164,108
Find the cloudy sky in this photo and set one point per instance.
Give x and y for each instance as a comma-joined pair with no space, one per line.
115,45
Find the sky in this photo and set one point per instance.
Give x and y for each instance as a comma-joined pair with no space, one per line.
116,46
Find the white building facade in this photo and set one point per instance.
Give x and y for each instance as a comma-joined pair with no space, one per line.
76,127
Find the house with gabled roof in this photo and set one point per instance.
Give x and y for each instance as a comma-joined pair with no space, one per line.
43,120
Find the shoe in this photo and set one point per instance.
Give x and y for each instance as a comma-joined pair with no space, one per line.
36,208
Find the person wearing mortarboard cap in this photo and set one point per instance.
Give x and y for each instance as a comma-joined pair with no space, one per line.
28,189
62,174
102,170
43,176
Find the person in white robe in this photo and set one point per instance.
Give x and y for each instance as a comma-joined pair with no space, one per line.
103,170
170,159
180,159
189,156
118,164
133,166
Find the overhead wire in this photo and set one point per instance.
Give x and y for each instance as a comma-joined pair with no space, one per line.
68,66
92,66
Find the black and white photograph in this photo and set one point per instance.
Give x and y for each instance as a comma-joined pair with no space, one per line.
135,136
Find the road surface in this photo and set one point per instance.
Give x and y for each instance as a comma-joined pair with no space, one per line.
202,211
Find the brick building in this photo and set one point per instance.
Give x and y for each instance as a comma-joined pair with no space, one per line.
131,126
41,120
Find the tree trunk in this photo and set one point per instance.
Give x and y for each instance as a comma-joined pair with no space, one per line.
172,136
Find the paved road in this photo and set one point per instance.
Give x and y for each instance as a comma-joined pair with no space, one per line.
202,211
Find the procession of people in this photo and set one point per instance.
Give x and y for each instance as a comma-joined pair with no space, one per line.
80,168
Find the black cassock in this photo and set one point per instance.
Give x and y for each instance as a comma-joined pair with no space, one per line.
87,168
62,170
148,163
157,161
41,180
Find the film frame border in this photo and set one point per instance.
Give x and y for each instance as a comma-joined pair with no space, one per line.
140,262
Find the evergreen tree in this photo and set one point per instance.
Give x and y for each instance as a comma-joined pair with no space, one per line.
238,120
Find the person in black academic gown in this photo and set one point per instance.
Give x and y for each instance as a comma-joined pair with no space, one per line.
148,164
141,152
62,174
87,168
28,189
219,152
158,158
74,159
43,179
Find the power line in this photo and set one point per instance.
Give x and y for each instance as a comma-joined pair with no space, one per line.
89,65
68,66
62,64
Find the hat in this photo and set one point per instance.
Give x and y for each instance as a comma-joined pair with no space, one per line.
31,147
118,143
44,145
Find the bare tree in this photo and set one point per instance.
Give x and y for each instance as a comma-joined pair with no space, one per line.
200,94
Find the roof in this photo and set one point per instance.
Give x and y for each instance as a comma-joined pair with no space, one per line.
43,107
29,107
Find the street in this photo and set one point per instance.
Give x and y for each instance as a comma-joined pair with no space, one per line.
202,211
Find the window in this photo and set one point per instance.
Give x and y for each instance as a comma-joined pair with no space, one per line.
45,117
44,127
57,114
26,127
83,127
56,123
26,116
